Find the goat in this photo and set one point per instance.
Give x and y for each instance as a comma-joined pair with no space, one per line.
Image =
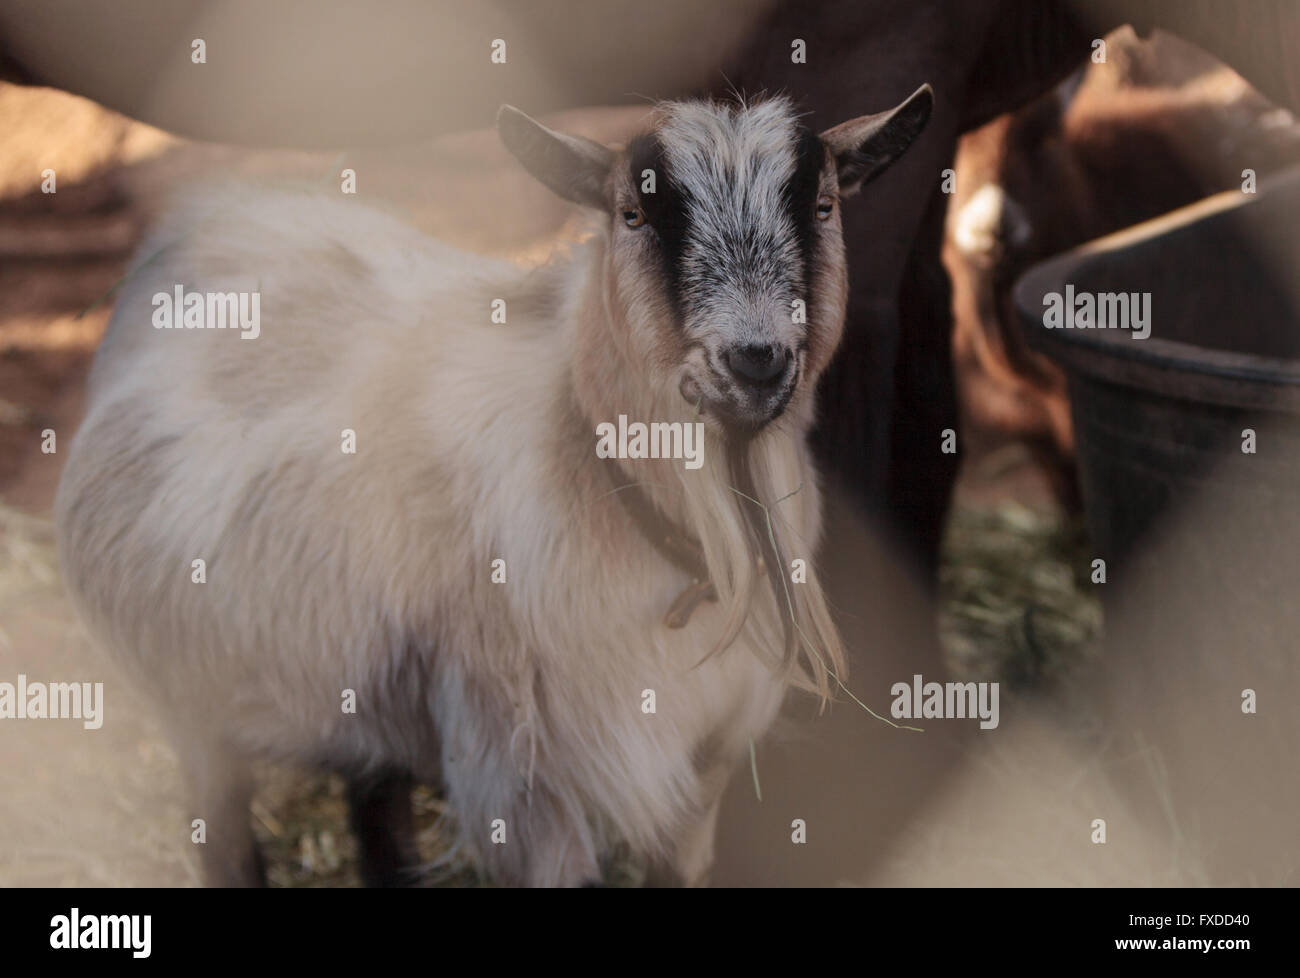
578,648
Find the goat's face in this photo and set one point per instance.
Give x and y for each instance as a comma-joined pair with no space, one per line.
725,255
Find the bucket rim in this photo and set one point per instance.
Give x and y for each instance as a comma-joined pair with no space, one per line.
1171,367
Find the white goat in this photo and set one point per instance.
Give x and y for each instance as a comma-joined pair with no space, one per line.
712,290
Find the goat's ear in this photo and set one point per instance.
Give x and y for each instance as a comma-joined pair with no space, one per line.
574,167
864,147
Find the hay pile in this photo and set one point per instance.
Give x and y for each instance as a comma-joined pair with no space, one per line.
301,823
1017,603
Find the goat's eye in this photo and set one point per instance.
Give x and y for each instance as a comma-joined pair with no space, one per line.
825,207
634,217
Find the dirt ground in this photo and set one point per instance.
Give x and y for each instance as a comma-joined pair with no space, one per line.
105,807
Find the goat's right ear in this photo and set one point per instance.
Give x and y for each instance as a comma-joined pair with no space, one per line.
574,167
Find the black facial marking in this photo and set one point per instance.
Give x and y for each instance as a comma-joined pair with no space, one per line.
739,252
800,198
665,209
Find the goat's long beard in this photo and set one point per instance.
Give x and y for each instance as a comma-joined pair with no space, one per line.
745,505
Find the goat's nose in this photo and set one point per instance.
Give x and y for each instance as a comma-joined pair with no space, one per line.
757,366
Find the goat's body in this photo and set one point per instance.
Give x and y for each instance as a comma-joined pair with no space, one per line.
372,572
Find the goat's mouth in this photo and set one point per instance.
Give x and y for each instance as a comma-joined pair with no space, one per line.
741,412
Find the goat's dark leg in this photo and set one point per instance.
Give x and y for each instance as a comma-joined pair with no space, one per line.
384,824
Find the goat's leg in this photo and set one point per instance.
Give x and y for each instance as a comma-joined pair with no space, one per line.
384,824
513,807
221,789
551,845
526,838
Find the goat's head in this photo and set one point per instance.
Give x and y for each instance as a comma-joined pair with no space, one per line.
725,250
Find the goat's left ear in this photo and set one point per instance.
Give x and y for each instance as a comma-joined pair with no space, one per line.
864,147
574,167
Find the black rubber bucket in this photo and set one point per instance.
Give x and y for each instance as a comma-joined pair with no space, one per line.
1160,419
